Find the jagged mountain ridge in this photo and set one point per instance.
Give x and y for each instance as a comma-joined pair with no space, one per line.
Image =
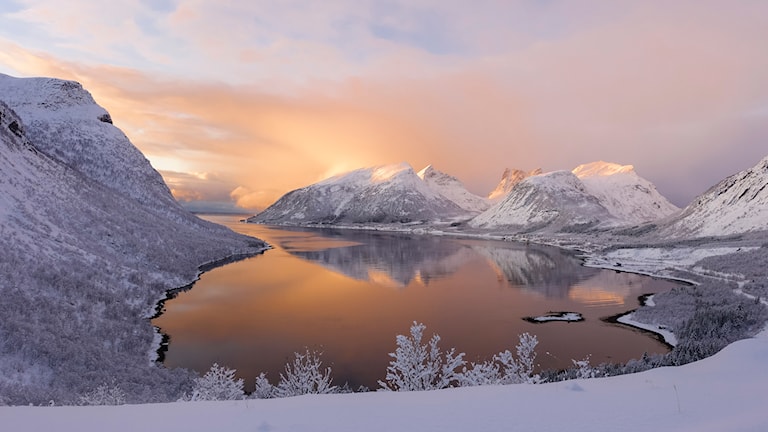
595,195
381,194
453,189
738,204
510,178
83,261
553,201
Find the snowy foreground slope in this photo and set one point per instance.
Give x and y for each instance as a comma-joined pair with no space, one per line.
382,194
91,240
725,392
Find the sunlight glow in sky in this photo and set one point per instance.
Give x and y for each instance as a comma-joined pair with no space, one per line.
236,103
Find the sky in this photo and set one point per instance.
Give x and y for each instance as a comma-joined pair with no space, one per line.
237,103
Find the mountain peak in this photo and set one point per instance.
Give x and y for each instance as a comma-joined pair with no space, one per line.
380,194
601,168
452,188
509,179
426,172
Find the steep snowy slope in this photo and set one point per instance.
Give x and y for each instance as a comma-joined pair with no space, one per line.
509,179
451,188
382,194
556,201
736,205
627,196
83,263
65,122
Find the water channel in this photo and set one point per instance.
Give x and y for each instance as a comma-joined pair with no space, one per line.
348,293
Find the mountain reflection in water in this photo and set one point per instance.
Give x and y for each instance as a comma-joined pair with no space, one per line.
406,258
349,293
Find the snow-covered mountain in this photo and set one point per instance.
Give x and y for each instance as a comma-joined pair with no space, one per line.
453,189
736,205
509,179
628,197
598,194
92,239
553,202
381,194
64,121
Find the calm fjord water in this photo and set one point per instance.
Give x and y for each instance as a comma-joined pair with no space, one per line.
348,293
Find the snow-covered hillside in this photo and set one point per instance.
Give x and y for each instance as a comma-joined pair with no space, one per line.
389,193
628,197
598,194
736,205
64,121
91,240
453,189
553,202
509,179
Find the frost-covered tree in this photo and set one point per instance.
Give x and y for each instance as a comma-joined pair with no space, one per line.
263,389
416,366
505,367
304,376
104,395
218,383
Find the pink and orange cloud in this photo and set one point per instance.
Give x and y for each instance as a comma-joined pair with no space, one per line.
265,97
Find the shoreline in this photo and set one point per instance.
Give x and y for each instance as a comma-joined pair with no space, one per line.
160,340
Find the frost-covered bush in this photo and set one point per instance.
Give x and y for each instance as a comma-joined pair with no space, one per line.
583,368
506,368
304,376
416,366
263,389
103,395
219,383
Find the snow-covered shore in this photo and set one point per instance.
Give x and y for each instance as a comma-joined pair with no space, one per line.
723,392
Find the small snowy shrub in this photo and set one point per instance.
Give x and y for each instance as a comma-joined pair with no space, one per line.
103,395
486,373
583,369
421,367
263,389
303,376
218,383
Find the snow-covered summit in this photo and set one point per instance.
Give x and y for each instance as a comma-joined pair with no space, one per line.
598,194
453,189
601,168
509,179
553,201
380,194
628,197
738,204
64,121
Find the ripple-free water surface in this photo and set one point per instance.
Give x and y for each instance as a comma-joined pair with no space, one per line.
349,293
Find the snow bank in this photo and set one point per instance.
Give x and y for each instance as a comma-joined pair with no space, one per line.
723,392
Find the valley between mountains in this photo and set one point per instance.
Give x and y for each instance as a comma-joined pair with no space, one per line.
92,239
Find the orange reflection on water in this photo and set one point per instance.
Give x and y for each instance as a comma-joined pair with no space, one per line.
254,314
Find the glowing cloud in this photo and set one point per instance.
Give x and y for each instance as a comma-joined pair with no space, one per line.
268,97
